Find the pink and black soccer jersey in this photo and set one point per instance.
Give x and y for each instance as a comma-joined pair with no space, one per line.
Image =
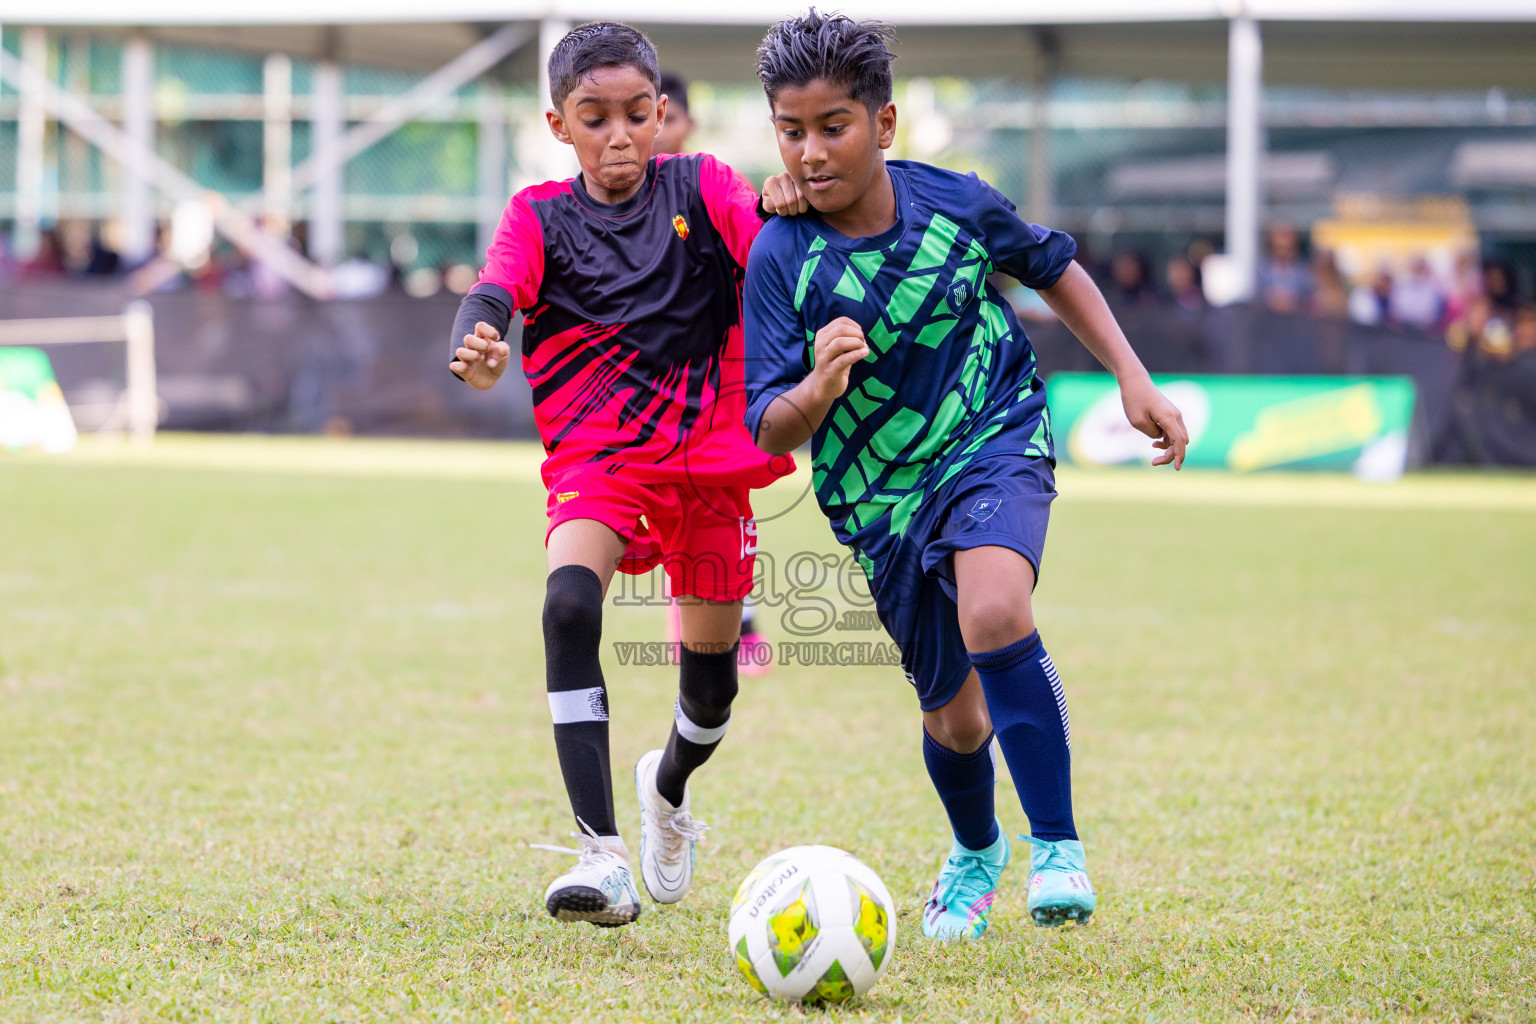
632,323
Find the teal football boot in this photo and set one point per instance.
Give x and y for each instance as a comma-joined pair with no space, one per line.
1059,889
962,896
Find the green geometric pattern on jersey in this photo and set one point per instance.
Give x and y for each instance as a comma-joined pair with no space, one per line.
911,454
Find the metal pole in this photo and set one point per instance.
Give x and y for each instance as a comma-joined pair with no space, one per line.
492,161
138,85
277,143
143,393
233,223
327,222
1041,185
1245,149
443,82
31,128
556,161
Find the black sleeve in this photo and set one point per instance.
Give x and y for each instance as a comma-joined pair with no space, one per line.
487,303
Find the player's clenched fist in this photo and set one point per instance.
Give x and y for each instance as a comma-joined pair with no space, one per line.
483,357
838,346
782,196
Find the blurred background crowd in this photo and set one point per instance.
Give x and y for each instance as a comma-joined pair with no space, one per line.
1395,222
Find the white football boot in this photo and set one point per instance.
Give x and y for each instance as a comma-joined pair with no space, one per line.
600,889
667,836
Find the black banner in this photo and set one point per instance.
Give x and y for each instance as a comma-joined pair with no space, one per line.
379,366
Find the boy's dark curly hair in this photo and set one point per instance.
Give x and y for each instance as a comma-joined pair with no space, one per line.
831,47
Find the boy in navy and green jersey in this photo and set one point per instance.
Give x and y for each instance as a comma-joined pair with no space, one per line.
872,331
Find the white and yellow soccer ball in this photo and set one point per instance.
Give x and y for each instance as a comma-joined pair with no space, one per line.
812,924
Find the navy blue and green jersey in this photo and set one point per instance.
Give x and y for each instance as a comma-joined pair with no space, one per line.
949,370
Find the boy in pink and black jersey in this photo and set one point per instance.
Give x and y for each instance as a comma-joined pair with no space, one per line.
629,279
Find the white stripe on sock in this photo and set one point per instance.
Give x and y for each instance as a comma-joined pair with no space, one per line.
695,733
1061,697
567,706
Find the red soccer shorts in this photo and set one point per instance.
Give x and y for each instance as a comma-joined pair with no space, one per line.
704,537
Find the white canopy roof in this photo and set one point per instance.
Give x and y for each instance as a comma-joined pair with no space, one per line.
1419,45
756,12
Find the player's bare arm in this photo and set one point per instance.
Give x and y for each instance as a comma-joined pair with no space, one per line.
793,417
483,357
1077,300
782,196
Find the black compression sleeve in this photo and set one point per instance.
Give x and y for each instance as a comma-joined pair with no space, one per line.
487,303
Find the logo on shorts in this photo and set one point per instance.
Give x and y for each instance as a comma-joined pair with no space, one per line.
748,537
983,509
680,226
565,496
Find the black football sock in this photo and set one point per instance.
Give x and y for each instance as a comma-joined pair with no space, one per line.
706,686
578,700
1029,714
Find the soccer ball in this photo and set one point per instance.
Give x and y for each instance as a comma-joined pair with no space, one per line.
812,924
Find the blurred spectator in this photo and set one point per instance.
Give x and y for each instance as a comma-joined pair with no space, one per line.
1466,285
1199,249
1523,337
679,124
49,259
1285,281
81,250
1416,299
1130,280
1487,333
1368,303
1499,284
1330,293
1184,283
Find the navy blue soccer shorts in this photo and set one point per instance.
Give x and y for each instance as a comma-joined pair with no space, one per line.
1002,500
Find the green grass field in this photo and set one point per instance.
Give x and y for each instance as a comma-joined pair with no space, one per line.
273,742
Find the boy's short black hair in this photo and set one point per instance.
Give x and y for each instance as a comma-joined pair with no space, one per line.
831,47
675,89
599,44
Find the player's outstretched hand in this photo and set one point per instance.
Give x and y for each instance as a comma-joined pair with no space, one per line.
783,197
1151,413
838,346
483,357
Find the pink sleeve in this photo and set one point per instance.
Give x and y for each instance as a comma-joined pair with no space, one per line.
732,206
515,260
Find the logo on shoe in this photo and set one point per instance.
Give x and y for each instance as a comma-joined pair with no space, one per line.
980,909
616,886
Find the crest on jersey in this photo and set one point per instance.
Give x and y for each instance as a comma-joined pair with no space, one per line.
681,227
959,295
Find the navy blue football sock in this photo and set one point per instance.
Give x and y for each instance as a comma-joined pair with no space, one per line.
1029,714
964,784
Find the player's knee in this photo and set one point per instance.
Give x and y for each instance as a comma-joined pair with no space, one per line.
990,621
573,604
961,729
